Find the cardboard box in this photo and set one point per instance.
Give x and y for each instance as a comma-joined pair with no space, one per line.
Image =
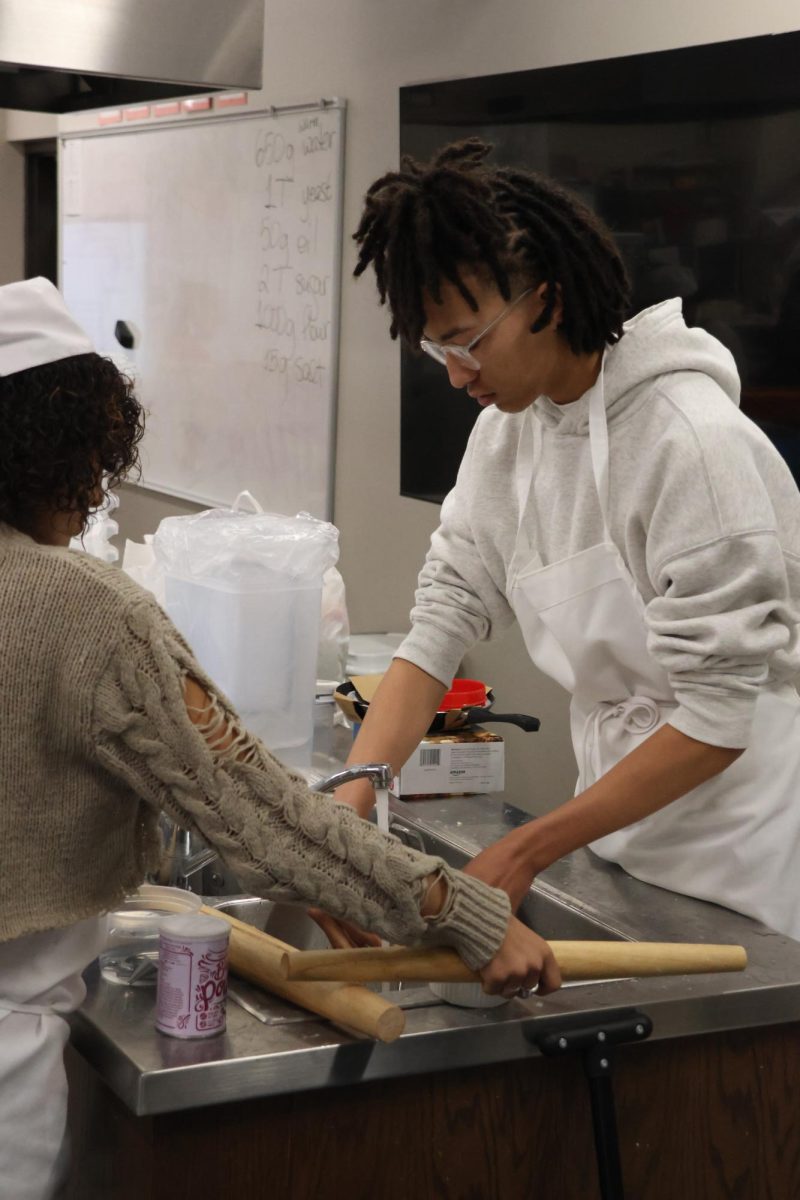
463,763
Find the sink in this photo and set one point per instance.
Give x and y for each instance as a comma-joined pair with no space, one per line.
556,920
551,916
292,925
283,921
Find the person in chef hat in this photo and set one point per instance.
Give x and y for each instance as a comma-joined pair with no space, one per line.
107,719
73,422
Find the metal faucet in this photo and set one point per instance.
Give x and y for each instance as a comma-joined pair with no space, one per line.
188,861
184,855
379,774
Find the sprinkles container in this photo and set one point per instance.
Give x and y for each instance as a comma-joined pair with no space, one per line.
192,976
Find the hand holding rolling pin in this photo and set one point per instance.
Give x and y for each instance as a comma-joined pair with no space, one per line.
523,964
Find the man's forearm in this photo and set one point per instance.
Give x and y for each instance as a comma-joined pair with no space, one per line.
664,768
397,719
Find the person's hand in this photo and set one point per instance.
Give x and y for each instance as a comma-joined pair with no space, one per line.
524,962
506,865
342,935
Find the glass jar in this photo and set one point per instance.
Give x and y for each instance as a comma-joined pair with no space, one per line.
130,955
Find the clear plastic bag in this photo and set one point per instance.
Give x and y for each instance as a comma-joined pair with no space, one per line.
241,548
244,588
334,628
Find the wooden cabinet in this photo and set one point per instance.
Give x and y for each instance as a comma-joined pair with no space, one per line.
705,1118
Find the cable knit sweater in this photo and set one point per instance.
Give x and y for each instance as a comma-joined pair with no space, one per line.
95,741
702,509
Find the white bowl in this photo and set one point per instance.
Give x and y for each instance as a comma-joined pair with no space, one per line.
466,995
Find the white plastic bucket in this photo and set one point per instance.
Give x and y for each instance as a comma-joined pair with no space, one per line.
245,590
260,647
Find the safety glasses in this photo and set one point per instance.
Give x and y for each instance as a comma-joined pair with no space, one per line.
462,355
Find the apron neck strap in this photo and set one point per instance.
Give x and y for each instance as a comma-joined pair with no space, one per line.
598,440
529,451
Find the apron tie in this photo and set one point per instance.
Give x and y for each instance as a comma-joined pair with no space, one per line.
42,1010
7,1007
638,715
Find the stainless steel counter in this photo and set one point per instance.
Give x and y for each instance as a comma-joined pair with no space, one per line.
152,1073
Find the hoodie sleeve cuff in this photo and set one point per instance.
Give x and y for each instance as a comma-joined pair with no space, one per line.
432,653
716,720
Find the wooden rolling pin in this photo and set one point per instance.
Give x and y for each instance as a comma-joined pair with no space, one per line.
257,956
577,960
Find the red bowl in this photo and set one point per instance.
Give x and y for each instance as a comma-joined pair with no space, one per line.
463,694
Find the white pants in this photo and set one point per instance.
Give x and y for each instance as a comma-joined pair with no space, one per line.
40,978
33,1105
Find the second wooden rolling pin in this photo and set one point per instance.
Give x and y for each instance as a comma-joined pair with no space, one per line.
577,960
257,956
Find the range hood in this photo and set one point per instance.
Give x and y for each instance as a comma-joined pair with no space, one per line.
67,55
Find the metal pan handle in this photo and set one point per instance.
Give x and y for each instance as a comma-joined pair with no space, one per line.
482,716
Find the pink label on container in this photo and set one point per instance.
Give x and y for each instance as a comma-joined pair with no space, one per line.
192,986
211,988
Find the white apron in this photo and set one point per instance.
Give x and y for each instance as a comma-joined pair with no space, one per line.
734,839
40,978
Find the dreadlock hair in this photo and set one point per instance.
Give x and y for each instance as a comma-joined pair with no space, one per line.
428,222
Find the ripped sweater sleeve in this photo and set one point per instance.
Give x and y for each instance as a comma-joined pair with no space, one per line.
280,839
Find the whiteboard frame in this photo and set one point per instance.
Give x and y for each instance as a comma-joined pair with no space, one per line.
270,110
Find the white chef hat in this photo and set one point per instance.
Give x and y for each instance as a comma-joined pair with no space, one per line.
36,327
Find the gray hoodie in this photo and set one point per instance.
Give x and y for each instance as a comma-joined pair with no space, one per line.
702,508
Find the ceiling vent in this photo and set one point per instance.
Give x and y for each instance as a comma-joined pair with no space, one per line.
67,55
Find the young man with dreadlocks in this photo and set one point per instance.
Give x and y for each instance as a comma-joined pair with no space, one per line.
643,532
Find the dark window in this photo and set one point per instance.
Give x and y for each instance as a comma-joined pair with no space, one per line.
692,157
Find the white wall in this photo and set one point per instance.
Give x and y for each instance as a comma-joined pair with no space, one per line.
363,51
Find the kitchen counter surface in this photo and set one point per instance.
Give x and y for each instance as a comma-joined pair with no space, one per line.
153,1074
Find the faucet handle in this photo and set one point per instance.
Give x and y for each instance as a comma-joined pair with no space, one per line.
183,855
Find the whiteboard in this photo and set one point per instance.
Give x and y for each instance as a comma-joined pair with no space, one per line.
218,242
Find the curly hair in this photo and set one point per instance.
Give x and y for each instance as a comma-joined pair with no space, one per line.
64,426
427,222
